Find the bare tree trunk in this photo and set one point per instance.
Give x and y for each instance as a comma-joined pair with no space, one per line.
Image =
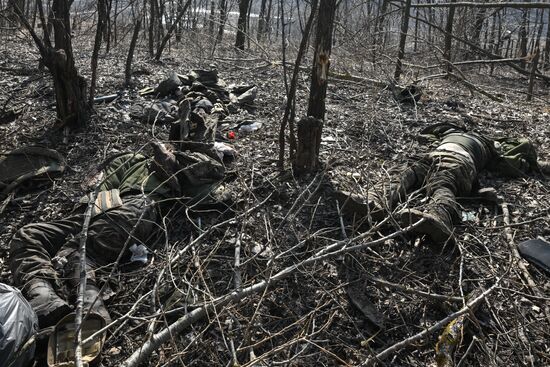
268,19
241,24
128,69
533,73
168,34
478,26
415,35
262,20
448,36
115,30
379,25
291,97
248,29
35,8
539,33
152,16
223,19
211,19
547,43
107,30
402,39
70,88
310,128
523,37
498,44
160,13
101,24
309,143
12,12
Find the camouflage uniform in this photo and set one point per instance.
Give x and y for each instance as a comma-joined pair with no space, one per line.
449,170
131,201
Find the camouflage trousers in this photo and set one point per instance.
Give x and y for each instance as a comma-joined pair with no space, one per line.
49,251
439,176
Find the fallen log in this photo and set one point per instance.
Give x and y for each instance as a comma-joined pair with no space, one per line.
335,249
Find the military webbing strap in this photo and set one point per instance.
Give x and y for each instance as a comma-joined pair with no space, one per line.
104,201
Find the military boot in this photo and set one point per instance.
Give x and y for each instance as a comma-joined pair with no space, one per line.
49,307
544,167
356,205
94,301
61,351
437,218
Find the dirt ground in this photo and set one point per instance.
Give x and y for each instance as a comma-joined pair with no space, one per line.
310,318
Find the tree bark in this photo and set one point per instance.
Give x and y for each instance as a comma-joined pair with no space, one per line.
291,96
70,88
128,69
402,39
309,143
267,28
152,17
262,20
223,19
241,24
523,37
11,10
379,39
212,17
100,30
448,37
471,4
173,27
547,43
533,73
478,25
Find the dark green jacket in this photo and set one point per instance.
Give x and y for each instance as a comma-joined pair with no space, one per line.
131,173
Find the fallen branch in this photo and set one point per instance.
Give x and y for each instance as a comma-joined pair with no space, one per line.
335,249
437,326
468,62
435,296
474,87
82,283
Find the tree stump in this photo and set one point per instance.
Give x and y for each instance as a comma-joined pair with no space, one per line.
309,141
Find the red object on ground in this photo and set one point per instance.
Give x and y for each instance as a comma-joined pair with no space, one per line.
231,135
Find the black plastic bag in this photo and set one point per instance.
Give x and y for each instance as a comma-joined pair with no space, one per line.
18,325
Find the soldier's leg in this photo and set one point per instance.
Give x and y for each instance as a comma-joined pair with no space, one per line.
450,175
71,271
31,251
134,222
385,197
412,179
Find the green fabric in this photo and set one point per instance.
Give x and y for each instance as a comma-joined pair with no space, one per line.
516,157
436,132
131,173
477,146
509,157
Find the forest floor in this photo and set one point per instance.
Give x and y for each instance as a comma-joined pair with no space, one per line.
310,318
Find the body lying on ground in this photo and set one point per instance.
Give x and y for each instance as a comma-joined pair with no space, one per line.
134,194
449,171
